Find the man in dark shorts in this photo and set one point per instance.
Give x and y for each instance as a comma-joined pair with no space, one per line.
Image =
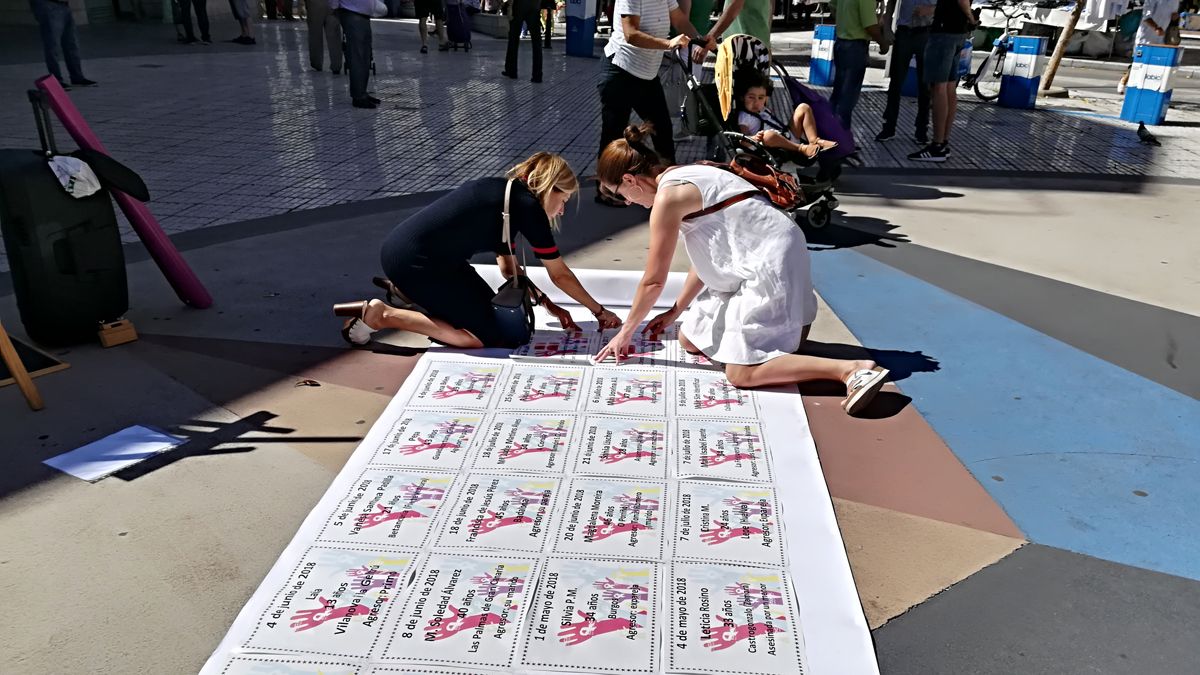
426,9
952,22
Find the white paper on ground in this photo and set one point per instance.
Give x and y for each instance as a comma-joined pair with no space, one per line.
829,617
113,453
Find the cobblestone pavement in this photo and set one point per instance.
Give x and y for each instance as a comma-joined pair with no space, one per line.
224,136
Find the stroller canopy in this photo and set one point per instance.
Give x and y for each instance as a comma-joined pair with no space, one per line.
738,51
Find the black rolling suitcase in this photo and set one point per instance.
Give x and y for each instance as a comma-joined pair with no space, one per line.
68,267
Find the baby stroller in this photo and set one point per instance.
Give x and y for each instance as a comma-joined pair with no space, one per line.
708,105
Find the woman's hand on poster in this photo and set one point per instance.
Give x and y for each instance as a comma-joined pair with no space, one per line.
660,323
618,347
563,316
607,319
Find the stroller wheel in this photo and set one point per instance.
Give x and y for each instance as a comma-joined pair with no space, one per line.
819,214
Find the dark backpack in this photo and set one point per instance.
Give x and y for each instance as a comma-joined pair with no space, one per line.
781,188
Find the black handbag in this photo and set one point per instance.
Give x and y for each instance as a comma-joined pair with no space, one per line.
513,303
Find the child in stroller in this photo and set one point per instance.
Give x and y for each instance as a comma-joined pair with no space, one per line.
752,91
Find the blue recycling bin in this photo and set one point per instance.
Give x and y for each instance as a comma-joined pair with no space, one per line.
1021,74
820,67
581,28
1148,92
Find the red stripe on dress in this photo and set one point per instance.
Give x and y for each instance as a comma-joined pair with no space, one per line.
543,251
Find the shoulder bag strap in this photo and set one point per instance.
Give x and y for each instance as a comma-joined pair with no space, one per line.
508,242
724,203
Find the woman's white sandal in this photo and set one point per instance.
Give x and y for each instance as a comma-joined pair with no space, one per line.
861,387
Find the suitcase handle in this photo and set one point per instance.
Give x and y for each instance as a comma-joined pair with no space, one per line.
41,115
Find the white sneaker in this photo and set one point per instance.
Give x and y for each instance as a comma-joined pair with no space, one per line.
862,387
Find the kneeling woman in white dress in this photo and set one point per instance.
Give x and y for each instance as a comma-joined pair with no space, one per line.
748,300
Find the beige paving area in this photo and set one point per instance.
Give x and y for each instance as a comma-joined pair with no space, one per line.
1124,238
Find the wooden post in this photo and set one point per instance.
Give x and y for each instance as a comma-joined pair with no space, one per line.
1061,47
13,360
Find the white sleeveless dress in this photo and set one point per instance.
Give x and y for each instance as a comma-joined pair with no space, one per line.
753,260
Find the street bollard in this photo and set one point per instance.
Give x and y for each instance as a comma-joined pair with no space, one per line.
1148,92
820,68
1021,74
581,27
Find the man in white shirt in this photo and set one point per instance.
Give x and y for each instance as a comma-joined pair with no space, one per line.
629,70
1152,30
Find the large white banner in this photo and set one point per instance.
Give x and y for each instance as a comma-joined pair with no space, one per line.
534,513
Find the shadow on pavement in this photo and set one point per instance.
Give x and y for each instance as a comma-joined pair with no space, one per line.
902,363
851,231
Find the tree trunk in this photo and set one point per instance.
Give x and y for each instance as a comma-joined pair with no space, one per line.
1061,47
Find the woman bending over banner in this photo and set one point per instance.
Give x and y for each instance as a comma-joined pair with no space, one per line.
426,259
748,300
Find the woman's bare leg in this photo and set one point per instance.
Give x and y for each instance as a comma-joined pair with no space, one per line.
380,315
792,369
687,344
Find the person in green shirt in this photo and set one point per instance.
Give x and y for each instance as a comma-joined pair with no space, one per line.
753,18
857,24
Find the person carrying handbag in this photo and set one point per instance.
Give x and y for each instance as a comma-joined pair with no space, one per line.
426,260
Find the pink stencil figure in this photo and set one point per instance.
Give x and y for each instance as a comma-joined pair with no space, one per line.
442,627
641,386
476,383
753,597
490,584
539,394
724,533
715,457
737,438
527,497
749,508
589,627
552,432
519,449
385,515
306,619
645,437
646,350
616,454
733,633
454,428
607,584
482,526
378,578
423,445
632,502
415,492
625,595
605,528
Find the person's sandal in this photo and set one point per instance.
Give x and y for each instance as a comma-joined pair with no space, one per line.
825,145
862,387
355,331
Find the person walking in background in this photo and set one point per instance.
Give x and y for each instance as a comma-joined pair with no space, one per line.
274,6
58,33
523,13
952,21
1152,29
185,14
243,11
912,33
355,17
426,9
856,25
324,30
752,17
548,8
629,80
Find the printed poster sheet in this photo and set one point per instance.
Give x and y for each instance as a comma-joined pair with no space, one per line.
543,514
